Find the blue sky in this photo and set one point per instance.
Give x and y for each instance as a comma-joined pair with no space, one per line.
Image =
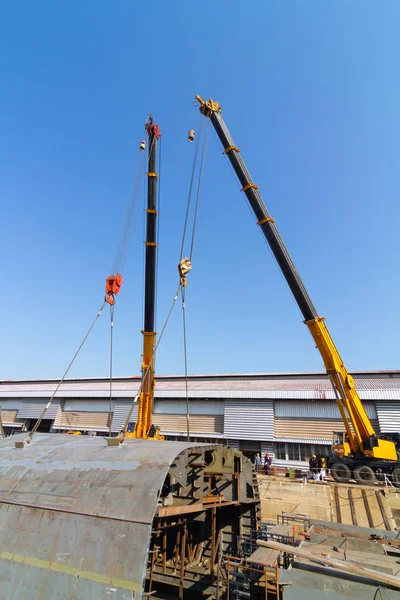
310,92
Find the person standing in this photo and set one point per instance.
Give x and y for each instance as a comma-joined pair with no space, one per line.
313,463
257,462
322,467
267,463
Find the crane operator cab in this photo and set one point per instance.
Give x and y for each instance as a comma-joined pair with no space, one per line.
340,443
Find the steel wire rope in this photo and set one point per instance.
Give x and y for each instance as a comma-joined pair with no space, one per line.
119,260
180,287
192,178
183,290
158,208
126,233
123,430
35,427
111,366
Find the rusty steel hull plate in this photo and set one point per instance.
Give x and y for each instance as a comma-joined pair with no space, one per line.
76,515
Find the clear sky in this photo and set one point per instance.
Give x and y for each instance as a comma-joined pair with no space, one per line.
311,94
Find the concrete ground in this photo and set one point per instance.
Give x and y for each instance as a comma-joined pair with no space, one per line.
358,505
279,495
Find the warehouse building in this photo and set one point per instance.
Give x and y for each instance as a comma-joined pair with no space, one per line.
289,415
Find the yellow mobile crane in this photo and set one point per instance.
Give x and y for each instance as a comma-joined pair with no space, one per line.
143,428
358,452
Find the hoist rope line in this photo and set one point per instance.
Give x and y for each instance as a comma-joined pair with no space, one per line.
144,376
127,220
158,207
126,232
183,296
199,189
34,429
183,292
111,366
192,178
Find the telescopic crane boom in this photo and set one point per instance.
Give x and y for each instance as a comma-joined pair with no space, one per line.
144,428
361,440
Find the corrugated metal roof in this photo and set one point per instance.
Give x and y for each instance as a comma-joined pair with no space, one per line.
290,388
193,376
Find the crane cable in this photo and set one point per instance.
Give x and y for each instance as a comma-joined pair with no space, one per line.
185,264
126,231
28,439
118,264
111,366
127,420
180,289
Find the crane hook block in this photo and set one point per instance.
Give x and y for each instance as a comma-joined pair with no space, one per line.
142,146
113,286
191,135
184,267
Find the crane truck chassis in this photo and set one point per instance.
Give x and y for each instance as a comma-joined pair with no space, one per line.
358,452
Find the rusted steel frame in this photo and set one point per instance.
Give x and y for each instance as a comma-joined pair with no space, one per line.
199,552
171,511
367,508
182,566
214,498
337,504
352,507
277,581
164,547
228,577
213,539
240,536
176,549
340,565
153,561
382,509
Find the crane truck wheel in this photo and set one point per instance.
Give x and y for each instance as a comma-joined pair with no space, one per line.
396,477
341,472
364,475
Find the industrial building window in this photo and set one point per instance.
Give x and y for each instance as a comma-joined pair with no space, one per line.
299,452
280,451
322,450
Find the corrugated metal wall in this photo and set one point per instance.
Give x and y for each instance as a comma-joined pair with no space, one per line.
388,416
10,403
82,420
8,416
307,428
197,423
31,409
249,419
234,444
315,409
87,405
311,428
196,407
267,447
121,410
